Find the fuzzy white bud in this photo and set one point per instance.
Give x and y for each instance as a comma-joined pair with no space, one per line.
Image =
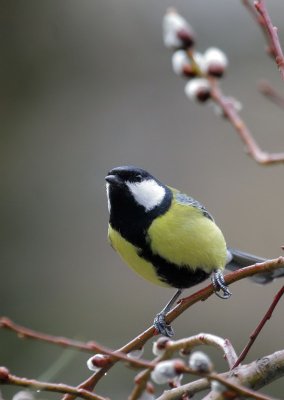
98,361
200,61
91,366
180,62
216,61
177,33
184,66
218,387
136,353
200,362
23,395
166,371
146,396
160,345
198,89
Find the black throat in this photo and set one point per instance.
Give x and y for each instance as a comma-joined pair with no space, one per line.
129,218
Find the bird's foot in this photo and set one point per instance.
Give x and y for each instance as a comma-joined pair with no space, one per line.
161,326
219,283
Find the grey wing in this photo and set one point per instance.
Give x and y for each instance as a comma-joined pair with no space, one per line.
185,199
239,259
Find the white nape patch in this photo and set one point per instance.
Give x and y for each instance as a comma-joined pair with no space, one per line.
148,193
108,200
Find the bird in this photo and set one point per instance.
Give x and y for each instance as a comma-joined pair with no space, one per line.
169,238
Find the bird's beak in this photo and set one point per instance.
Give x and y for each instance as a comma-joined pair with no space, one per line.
113,179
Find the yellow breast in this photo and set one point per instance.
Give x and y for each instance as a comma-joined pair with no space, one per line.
129,254
184,236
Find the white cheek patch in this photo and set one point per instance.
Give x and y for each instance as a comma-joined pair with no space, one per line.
108,200
148,193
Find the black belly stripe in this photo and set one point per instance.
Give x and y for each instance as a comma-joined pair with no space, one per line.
180,277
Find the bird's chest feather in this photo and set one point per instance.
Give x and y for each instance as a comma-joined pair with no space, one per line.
132,256
186,237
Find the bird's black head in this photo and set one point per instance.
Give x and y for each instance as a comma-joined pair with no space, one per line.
135,197
121,175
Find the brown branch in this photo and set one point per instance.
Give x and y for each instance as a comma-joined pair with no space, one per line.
272,34
259,327
230,112
8,379
183,305
90,347
237,388
255,375
267,90
184,345
260,21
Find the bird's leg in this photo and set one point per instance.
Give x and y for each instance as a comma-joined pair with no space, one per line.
219,283
160,320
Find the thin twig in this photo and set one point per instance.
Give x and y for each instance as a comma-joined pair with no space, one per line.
230,112
208,339
90,347
267,90
259,327
8,379
272,34
260,21
184,345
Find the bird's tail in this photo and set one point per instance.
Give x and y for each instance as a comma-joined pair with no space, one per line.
238,259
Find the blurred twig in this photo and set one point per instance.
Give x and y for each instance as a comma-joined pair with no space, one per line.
272,35
259,327
267,90
232,115
8,379
90,347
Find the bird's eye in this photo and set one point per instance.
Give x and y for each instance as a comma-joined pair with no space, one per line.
139,178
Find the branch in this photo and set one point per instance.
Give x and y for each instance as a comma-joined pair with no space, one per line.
8,379
254,375
267,90
208,339
90,347
184,304
272,34
230,112
259,327
184,345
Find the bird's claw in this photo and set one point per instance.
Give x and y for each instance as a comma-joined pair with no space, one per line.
219,283
162,327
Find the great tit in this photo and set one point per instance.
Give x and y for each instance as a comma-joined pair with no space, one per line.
167,237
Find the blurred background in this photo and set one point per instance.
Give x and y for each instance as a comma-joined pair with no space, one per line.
86,86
